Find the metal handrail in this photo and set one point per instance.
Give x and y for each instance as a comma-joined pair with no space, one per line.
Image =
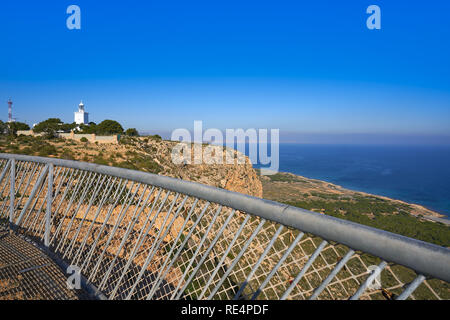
424,258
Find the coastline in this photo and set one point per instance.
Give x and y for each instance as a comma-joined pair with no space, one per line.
301,185
414,174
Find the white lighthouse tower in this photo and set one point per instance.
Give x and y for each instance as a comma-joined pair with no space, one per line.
81,116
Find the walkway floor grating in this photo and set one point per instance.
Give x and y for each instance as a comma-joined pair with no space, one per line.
26,273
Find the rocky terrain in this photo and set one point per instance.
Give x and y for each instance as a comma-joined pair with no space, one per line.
288,187
150,154
396,216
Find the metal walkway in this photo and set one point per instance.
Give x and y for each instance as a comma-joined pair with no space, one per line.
26,273
136,235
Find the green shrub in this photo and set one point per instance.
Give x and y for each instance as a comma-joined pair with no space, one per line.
26,150
385,217
155,137
12,148
25,139
132,132
49,127
109,127
13,127
47,150
127,140
100,160
67,154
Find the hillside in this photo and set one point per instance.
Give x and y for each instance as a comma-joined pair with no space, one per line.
149,154
287,187
396,216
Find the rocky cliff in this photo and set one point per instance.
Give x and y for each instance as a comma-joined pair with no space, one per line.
149,154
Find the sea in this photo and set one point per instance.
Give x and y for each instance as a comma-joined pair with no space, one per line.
415,174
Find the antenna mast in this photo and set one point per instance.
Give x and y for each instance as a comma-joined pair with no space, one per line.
10,119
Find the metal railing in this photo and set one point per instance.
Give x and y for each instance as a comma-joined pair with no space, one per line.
136,235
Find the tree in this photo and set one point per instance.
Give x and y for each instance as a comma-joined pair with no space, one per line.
3,127
49,127
88,128
13,127
67,127
107,127
132,132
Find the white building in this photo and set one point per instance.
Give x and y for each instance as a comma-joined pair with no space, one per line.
81,116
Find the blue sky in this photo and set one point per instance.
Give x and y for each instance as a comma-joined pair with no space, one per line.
310,68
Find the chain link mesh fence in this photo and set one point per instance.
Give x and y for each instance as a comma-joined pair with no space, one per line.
138,241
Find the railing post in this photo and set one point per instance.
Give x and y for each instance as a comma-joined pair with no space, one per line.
48,212
12,191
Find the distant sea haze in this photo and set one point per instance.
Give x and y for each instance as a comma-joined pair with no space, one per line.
415,174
